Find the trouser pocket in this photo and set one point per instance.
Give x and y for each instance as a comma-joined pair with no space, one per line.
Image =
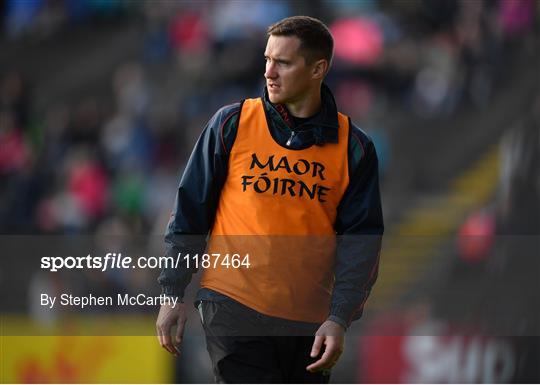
201,313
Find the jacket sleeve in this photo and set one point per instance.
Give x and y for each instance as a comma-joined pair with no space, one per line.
359,225
197,198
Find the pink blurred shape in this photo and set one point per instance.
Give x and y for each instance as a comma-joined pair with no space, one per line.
359,40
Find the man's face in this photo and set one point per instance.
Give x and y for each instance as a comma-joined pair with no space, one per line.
288,78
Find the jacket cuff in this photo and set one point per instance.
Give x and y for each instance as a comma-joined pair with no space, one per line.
343,313
339,321
172,291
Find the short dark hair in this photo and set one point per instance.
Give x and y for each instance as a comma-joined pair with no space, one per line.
316,41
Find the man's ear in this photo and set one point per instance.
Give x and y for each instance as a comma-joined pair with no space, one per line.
320,68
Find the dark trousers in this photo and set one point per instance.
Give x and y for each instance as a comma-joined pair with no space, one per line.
246,346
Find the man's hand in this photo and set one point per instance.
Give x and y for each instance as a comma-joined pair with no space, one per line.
168,317
331,335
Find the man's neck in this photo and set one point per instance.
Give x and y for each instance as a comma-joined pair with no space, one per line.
307,106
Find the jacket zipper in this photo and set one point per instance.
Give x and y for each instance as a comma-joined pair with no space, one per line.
289,141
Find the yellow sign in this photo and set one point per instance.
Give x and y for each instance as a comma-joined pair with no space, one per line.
81,359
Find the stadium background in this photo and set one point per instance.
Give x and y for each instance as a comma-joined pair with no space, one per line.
101,102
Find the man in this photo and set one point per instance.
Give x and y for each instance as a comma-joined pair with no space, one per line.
286,164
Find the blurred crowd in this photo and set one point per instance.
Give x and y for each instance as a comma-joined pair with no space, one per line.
87,165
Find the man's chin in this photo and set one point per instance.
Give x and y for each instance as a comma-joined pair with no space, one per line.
275,99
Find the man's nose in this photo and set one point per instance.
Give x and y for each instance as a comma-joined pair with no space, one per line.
270,72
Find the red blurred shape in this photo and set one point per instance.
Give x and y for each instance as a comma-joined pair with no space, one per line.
13,151
476,236
88,184
358,40
31,372
188,32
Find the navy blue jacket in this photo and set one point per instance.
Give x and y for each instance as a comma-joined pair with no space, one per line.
359,222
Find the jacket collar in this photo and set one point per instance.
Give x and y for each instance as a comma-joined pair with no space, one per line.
324,129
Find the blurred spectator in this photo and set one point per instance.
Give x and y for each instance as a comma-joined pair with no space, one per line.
87,184
516,17
437,80
14,97
21,16
14,151
357,41
235,20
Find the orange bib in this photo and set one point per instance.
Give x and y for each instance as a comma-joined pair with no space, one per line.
279,207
